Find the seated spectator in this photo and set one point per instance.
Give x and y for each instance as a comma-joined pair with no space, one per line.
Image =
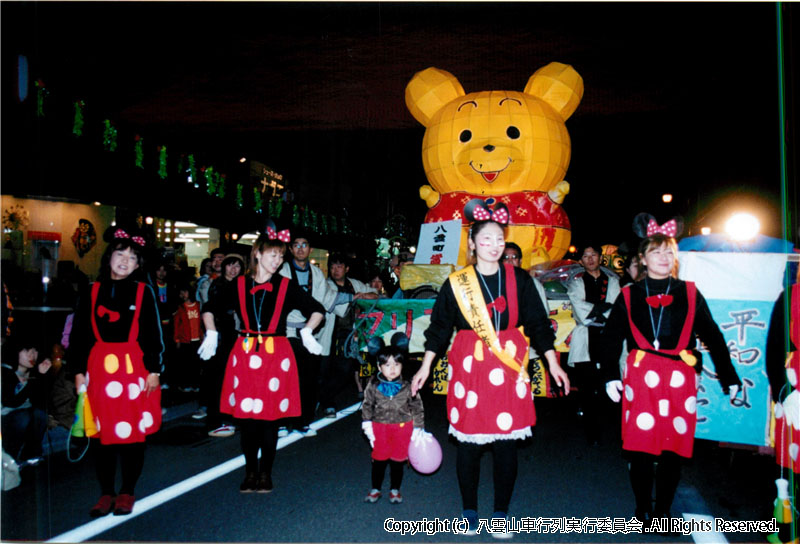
24,420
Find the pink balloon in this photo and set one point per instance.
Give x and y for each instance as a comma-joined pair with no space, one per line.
425,455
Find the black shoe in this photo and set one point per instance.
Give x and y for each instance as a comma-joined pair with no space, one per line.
250,483
264,484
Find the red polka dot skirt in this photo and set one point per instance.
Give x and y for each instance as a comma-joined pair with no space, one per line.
484,400
659,405
261,380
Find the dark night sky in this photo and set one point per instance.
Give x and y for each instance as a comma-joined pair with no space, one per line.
680,97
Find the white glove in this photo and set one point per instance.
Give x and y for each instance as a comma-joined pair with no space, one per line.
310,343
733,391
419,435
791,409
366,426
209,346
614,390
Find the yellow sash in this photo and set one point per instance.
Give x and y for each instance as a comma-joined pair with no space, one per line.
470,301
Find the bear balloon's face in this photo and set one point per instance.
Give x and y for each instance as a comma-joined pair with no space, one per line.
496,142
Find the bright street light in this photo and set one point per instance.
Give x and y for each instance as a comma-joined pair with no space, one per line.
742,227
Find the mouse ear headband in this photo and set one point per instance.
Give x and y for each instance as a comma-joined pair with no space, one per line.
477,210
645,225
376,343
273,233
118,233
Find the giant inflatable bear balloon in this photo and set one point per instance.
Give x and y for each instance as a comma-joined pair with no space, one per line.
500,146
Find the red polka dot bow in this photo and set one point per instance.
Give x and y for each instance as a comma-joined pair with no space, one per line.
670,228
499,215
119,233
659,300
283,235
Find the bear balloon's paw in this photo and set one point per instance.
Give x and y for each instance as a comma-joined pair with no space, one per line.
560,191
430,196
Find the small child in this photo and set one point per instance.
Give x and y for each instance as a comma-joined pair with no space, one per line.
188,332
391,418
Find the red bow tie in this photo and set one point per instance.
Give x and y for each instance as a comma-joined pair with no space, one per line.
659,300
498,304
265,286
102,311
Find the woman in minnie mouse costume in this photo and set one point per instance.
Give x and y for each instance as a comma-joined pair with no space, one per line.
489,397
116,348
661,318
261,384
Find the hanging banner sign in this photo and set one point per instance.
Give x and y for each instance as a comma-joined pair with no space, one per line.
265,179
741,289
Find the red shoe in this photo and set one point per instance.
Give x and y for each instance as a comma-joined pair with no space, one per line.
124,504
103,507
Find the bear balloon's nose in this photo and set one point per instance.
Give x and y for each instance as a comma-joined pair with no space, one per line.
488,147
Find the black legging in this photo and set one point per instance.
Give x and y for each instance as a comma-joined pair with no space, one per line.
643,471
257,435
395,474
131,458
468,465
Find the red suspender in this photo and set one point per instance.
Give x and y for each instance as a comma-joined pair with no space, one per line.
134,334
242,303
95,289
276,313
511,296
683,341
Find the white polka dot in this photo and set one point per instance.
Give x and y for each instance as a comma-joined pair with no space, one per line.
274,384
97,424
458,390
454,415
258,406
645,421
286,364
690,404
113,389
663,407
791,375
123,429
651,379
235,360
680,425
232,400
147,418
284,405
496,377
255,362
793,450
133,391
504,421
627,415
467,363
677,379
472,399
522,389
246,405
778,411
141,384
235,382
449,373
142,428
629,393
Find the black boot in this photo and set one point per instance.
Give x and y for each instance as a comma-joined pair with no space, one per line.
250,483
264,484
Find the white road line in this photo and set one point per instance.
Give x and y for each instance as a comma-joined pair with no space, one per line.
712,537
94,528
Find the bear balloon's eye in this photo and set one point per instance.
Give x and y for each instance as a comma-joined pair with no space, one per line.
465,136
512,132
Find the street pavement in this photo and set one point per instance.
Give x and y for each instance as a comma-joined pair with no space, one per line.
189,488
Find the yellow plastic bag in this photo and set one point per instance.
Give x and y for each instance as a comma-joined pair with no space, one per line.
416,275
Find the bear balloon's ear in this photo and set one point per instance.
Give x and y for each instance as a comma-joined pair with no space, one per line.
400,341
374,345
429,91
559,85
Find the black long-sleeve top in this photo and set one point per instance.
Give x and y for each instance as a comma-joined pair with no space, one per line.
118,296
531,314
262,304
778,345
618,328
